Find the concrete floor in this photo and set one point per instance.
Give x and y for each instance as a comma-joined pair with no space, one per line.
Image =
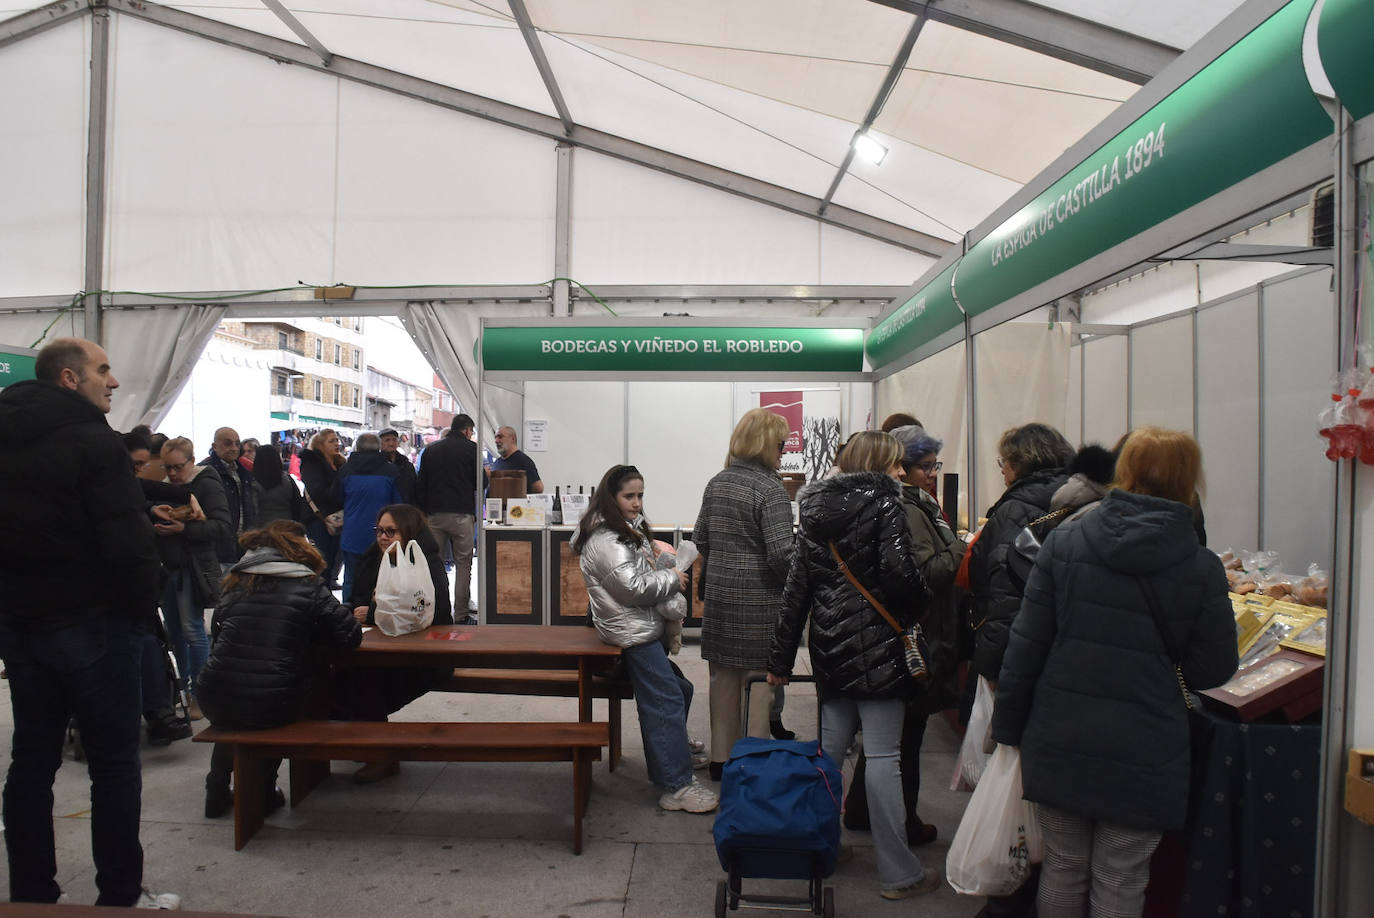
466,839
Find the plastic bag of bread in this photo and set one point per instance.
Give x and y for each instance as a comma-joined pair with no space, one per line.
1230,560
1240,583
1312,589
1278,585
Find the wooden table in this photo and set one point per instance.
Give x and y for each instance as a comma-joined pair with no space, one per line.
494,647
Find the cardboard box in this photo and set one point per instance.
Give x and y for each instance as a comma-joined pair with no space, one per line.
1359,785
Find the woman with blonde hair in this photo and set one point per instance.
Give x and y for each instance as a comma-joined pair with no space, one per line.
854,535
744,533
1088,690
320,464
190,548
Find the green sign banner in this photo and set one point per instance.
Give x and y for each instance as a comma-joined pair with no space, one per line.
610,349
15,367
928,314
1345,37
1245,111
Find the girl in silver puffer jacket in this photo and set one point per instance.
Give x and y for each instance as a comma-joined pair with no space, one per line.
630,600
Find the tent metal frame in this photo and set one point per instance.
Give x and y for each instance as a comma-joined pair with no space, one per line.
1050,32
513,116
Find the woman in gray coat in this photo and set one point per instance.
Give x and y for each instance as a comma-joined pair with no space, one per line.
744,533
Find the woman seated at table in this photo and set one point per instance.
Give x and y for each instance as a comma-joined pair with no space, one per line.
273,605
372,693
630,600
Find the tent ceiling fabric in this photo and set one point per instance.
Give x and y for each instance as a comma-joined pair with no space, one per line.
770,89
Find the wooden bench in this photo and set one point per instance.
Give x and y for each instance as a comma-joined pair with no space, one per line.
557,683
310,745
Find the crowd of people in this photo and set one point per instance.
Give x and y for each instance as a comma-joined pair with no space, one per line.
1082,642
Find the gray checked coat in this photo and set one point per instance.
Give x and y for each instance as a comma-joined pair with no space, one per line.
744,532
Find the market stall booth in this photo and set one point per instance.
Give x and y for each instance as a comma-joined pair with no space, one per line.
587,393
1132,264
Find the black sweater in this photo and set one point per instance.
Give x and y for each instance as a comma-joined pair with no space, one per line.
75,537
257,675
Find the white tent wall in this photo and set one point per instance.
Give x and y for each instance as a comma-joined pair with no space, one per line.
221,166
677,432
1177,285
631,225
231,172
230,388
1021,374
1105,405
936,392
1228,417
1258,373
154,352
43,157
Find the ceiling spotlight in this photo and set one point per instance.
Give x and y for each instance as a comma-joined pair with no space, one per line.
869,149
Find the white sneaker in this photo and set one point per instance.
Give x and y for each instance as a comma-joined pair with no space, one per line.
169,902
694,798
695,745
700,760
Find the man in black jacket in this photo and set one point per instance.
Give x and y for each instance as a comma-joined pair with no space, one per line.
79,577
446,490
405,470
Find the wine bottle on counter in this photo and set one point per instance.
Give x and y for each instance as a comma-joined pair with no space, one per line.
557,506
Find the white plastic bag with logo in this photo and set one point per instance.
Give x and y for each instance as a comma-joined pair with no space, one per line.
405,591
998,838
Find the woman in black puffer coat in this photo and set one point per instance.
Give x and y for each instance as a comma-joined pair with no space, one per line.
1088,689
1033,459
273,607
857,656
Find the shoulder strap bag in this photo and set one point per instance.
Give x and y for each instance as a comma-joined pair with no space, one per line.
1174,655
913,641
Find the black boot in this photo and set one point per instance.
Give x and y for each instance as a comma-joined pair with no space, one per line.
717,769
164,727
218,799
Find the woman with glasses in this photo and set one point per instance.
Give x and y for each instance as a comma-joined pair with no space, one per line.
632,595
744,533
1033,460
320,464
373,693
937,552
190,550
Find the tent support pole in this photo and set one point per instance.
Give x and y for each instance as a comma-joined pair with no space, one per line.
562,231
96,136
1333,824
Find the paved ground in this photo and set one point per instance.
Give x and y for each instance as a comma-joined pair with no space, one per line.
471,839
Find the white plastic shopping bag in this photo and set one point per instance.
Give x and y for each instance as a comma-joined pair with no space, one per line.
968,768
998,838
405,591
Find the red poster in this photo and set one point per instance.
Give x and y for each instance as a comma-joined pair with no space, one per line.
789,406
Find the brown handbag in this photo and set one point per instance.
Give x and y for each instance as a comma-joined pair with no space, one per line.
913,641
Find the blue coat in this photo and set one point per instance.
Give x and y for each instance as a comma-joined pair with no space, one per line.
366,484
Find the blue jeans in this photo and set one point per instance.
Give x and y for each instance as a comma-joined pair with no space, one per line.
318,533
882,723
351,560
663,696
89,671
185,626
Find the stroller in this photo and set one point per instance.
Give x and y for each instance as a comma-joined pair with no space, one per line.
178,725
779,819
